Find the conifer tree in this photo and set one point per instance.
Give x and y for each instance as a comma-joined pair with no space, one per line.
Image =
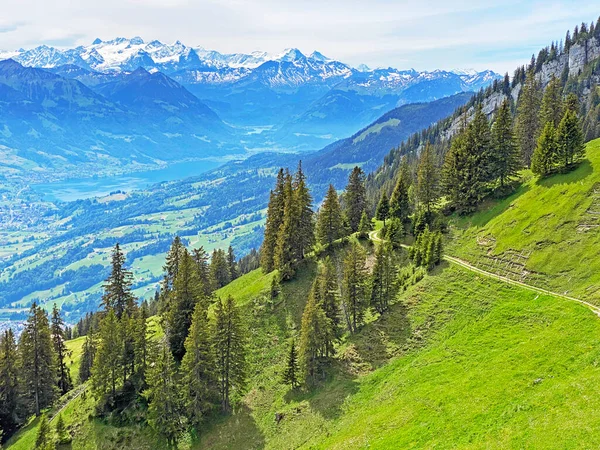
164,409
455,165
45,438
275,212
290,375
117,289
9,382
354,289
327,295
505,157
551,106
219,269
544,156
62,435
314,334
355,198
202,266
231,264
286,249
107,365
383,208
528,123
229,342
57,331
37,362
395,231
570,146
198,382
400,201
427,180
330,223
140,346
383,279
187,292
172,264
365,226
88,354
305,236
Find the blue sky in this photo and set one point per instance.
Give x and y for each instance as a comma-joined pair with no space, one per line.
427,34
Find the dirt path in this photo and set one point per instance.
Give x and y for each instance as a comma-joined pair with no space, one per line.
459,262
78,391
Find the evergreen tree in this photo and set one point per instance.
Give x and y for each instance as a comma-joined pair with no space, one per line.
400,201
427,180
383,208
9,382
88,354
117,289
107,364
330,223
551,106
164,409
355,198
544,156
275,212
394,232
202,266
171,266
286,250
365,226
37,362
219,269
290,375
570,143
329,297
314,334
198,382
383,279
140,346
231,264
229,345
187,292
305,236
354,288
528,123
62,435
505,157
44,439
62,352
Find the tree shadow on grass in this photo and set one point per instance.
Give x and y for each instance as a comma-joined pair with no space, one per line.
236,430
583,170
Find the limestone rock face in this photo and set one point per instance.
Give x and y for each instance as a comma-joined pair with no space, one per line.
581,54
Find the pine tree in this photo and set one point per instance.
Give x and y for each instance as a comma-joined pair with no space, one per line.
187,292
44,439
171,266
62,435
229,345
274,220
551,106
395,231
314,333
219,269
201,259
505,157
355,198
354,288
455,165
231,264
544,156
330,223
570,143
305,237
383,279
383,208
62,352
117,289
528,123
9,382
164,409
290,375
365,226
198,382
88,354
427,179
285,251
141,346
107,364
37,362
400,201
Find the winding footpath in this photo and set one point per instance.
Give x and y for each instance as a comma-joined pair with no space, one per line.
465,265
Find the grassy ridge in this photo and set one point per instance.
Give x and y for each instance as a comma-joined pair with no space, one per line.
546,234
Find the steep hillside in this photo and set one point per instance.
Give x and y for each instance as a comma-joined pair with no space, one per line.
545,234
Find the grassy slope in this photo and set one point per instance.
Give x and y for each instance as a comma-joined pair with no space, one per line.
547,229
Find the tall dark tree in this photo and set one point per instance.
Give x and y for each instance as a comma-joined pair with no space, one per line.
544,156
305,237
505,161
330,222
551,106
383,287
88,353
528,122
569,140
427,179
219,269
400,200
108,363
355,198
354,287
202,265
57,330
37,362
314,339
171,266
229,342
45,437
383,208
9,382
231,264
274,220
292,370
117,289
286,252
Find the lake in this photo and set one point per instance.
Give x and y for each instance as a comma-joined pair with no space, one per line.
80,188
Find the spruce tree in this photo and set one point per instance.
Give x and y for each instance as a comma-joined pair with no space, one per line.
305,237
383,208
231,264
427,179
383,279
505,156
290,375
229,342
400,201
141,346
202,265
330,294
355,198
219,269
172,264
365,226
107,365
198,381
88,354
314,333
9,382
570,143
354,288
286,249
62,435
164,409
45,437
65,383
528,123
117,289
330,222
37,362
551,106
275,212
545,153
